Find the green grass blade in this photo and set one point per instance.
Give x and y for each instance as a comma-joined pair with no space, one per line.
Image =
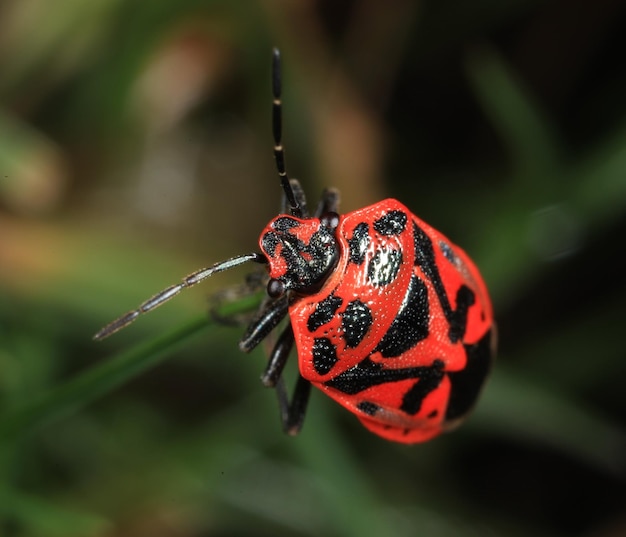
106,376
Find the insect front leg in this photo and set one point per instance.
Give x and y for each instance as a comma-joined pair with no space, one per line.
255,281
269,316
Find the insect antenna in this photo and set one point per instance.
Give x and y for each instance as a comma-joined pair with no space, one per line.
277,130
165,295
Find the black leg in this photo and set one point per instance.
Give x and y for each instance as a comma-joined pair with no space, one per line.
266,320
255,281
329,202
292,412
278,358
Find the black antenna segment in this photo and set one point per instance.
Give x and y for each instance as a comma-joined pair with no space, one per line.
277,130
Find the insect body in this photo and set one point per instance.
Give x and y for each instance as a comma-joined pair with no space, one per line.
389,318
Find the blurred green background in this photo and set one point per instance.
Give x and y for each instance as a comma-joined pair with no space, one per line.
135,147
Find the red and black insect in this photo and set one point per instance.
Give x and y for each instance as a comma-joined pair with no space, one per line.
389,318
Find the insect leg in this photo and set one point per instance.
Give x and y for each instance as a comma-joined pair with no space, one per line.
278,358
266,320
329,202
292,412
255,281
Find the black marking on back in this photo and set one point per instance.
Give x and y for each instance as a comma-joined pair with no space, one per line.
458,322
466,384
270,242
392,223
324,312
429,381
324,355
384,266
366,374
425,259
367,407
359,243
284,224
411,323
448,253
356,320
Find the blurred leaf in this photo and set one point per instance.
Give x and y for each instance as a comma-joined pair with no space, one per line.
537,414
520,125
68,35
32,171
23,514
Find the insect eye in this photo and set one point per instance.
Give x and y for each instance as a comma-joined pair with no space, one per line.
330,220
275,288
